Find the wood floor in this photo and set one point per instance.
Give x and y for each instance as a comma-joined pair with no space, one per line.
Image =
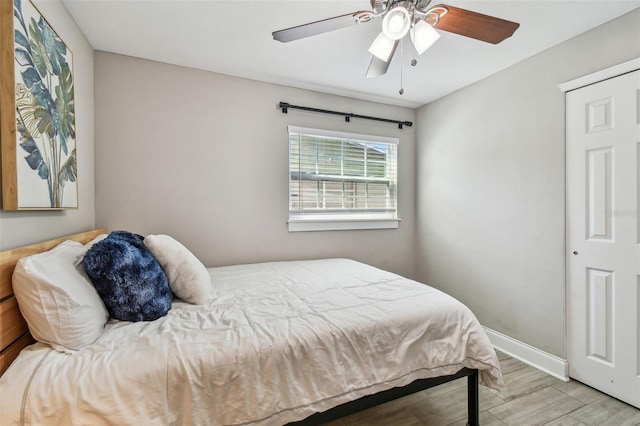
530,397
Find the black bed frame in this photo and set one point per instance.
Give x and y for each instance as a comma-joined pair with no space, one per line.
473,410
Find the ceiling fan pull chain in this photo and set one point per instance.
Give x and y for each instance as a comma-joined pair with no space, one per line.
401,91
414,61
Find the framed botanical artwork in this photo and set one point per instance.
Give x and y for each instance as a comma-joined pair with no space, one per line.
37,113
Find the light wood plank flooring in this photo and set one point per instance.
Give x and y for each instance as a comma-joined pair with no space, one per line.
530,397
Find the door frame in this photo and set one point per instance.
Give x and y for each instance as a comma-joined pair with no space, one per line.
598,76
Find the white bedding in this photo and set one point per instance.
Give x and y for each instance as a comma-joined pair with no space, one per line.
276,343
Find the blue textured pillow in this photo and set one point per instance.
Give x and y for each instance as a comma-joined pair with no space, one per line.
128,278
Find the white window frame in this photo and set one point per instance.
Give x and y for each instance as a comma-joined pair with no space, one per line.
299,222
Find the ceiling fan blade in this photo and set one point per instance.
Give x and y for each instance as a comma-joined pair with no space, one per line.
317,27
474,25
378,67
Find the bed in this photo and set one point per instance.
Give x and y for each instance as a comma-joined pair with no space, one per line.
299,342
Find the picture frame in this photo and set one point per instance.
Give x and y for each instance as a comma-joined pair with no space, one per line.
37,112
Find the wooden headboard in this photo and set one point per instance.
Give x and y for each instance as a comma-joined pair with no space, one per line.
14,334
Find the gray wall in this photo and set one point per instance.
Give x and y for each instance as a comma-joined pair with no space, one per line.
20,228
491,186
204,157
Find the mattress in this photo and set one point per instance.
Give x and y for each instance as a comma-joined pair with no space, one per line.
275,343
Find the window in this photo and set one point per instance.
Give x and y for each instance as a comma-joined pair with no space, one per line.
341,180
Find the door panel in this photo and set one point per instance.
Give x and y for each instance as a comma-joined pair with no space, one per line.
600,313
599,191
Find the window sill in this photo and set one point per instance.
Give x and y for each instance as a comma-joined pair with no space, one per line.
306,225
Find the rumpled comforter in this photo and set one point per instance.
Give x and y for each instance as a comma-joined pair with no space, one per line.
275,343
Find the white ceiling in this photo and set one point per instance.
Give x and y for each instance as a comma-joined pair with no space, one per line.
234,37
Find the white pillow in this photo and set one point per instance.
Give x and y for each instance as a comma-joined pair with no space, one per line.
188,278
96,240
57,299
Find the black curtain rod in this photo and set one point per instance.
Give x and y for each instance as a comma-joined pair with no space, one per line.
347,115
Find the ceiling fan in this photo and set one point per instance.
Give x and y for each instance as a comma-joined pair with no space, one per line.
401,17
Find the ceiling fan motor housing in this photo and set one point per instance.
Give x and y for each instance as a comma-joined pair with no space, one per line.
422,5
380,6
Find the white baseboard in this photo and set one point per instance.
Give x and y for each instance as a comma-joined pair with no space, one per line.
550,364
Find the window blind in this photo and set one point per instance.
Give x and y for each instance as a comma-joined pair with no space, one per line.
336,173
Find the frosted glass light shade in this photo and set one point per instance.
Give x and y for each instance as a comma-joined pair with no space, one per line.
396,23
423,36
382,47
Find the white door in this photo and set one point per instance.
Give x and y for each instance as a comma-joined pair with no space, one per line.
603,236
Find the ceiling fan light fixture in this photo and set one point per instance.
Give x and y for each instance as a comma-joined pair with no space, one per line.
396,23
382,47
423,36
